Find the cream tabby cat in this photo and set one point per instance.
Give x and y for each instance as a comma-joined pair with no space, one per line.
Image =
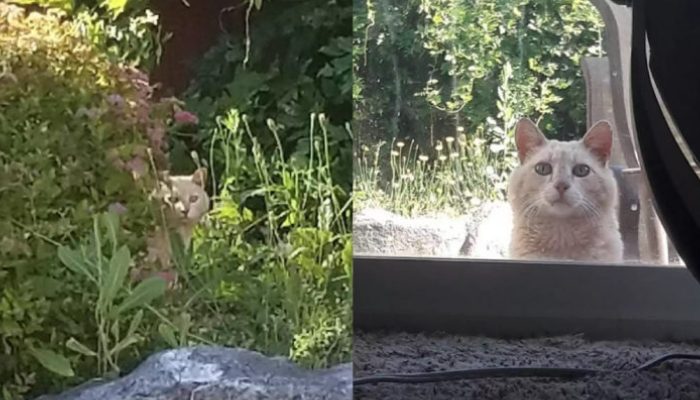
183,201
564,198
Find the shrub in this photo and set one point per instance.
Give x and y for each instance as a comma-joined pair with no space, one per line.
135,38
127,31
76,132
299,63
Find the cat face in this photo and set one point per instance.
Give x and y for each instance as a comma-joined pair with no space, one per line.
185,195
562,179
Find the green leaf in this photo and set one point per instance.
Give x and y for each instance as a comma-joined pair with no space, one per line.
115,6
78,347
258,4
179,253
326,71
111,222
53,361
75,262
347,257
65,5
252,193
114,280
44,286
145,292
98,246
135,323
168,334
184,323
9,328
124,343
114,329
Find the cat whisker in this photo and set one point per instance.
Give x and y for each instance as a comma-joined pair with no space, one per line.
592,207
531,212
591,212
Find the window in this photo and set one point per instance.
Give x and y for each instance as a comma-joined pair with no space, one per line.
439,89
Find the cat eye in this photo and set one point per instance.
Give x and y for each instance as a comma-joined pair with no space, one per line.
194,198
581,170
543,168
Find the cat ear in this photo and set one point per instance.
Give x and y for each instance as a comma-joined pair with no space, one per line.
527,138
598,140
199,176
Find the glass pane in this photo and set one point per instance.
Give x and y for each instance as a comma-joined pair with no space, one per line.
445,165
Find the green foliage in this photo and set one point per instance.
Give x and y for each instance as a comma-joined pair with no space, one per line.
447,68
271,268
126,31
113,8
454,176
64,5
299,63
112,299
133,39
76,135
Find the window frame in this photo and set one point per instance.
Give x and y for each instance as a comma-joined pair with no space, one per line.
514,298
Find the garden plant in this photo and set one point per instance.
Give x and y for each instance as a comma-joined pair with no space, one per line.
83,140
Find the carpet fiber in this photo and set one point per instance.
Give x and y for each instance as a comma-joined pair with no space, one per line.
386,353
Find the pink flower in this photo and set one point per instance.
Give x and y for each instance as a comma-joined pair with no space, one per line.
117,208
186,117
143,110
115,100
137,167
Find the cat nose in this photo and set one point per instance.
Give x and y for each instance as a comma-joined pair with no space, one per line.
562,187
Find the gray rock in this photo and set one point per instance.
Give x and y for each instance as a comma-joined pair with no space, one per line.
380,232
491,234
483,233
218,373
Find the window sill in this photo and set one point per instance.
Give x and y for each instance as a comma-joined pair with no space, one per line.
519,299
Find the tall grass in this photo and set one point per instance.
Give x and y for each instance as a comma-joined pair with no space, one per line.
452,176
270,268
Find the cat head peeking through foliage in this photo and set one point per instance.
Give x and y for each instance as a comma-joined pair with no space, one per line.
184,196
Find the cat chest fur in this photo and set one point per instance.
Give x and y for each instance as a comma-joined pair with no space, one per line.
564,240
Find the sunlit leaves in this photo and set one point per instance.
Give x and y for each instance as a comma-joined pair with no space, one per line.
56,131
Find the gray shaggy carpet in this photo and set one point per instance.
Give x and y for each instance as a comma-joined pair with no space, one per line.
383,352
